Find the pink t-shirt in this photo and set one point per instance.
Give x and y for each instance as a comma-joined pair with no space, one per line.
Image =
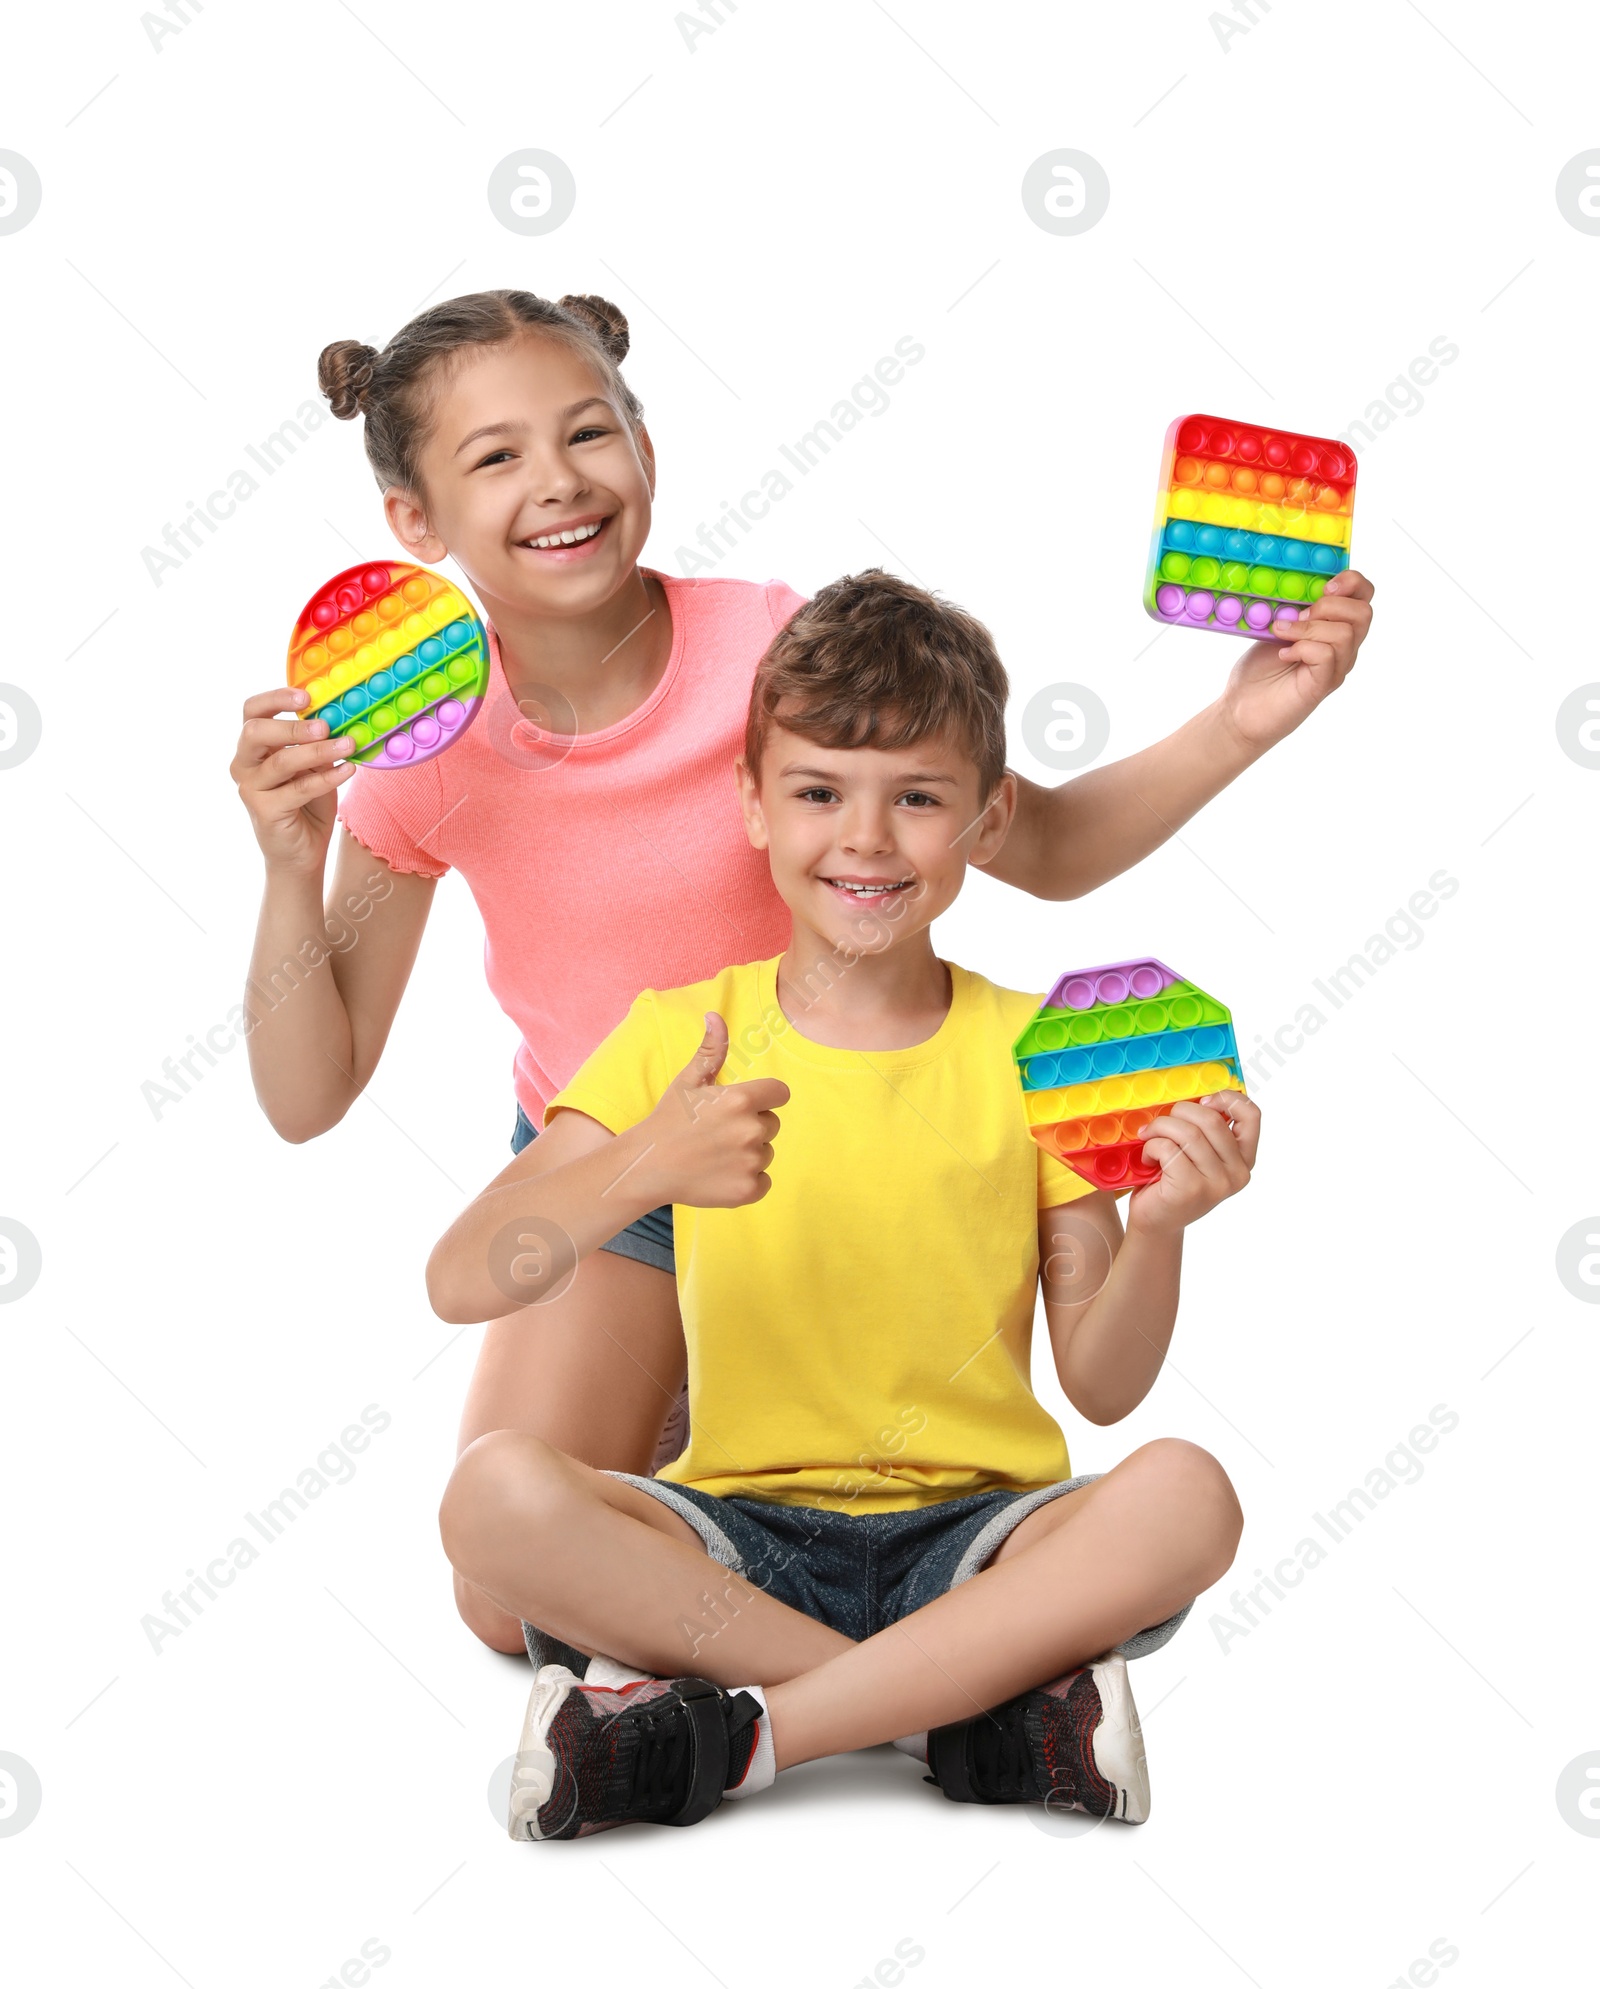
623,863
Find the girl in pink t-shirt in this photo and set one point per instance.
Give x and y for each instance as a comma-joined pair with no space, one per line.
592,809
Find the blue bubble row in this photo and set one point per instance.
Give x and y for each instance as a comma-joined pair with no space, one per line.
1258,548
395,676
1211,1043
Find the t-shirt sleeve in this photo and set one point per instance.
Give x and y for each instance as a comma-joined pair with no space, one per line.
782,602
384,828
1058,1183
622,1081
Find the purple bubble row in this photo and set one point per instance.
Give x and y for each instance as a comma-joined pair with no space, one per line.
1199,604
427,734
1122,980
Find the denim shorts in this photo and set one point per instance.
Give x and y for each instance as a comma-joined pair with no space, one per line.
856,1572
647,1241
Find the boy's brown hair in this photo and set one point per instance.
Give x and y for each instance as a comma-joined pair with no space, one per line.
872,660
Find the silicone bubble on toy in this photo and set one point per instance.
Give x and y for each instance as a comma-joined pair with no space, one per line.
395,659
1251,525
1111,1049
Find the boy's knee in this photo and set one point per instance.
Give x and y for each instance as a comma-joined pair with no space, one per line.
1191,1479
505,1471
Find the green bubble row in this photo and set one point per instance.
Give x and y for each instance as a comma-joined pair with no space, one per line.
1236,577
1067,1028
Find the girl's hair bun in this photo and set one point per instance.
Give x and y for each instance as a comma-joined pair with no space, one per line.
344,373
391,389
606,321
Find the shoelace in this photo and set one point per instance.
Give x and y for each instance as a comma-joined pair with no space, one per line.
1002,1759
655,1780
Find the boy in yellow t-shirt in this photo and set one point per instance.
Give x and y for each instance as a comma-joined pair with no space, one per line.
874,1531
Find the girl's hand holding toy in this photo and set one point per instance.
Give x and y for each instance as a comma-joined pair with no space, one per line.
388,665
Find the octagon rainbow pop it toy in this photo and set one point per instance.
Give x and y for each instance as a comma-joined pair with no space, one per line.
1111,1049
395,658
1251,523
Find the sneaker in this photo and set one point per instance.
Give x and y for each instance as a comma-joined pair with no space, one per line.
655,1750
1074,1744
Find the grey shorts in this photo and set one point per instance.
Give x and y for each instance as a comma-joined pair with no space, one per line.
856,1572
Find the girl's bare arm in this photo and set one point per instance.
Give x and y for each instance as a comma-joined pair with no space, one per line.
325,980
325,984
1067,840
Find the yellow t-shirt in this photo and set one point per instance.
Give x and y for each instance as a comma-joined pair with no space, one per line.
860,1337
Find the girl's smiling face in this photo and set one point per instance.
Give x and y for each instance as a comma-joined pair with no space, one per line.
533,481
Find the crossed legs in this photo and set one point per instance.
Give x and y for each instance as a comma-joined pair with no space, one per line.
605,1567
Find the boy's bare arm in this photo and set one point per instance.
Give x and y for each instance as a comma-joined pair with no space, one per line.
1067,840
1110,1302
1111,1299
573,1189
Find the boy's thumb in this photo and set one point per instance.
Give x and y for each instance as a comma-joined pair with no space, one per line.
709,1058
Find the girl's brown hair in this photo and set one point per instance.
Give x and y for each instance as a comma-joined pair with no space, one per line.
873,661
393,388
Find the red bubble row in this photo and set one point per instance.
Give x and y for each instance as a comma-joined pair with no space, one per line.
1298,455
365,586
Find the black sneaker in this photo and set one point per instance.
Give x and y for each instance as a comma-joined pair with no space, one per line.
656,1750
1073,1744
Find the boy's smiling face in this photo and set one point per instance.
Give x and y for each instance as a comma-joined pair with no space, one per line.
869,846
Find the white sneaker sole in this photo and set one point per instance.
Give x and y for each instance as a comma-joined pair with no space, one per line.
1119,1741
612,1674
533,1773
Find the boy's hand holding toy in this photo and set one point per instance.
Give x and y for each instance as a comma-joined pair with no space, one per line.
1131,1075
1205,1149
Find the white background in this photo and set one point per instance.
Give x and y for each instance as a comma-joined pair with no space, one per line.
1297,210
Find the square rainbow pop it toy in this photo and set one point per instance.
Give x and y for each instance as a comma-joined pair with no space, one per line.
1111,1049
1251,523
395,658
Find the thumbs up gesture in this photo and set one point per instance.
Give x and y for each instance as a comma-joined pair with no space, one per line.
710,1144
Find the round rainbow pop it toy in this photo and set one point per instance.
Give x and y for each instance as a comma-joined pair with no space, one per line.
395,659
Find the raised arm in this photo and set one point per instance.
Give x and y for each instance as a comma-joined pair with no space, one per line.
1067,840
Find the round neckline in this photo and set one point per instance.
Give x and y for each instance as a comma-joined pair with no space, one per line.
832,1056
640,712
